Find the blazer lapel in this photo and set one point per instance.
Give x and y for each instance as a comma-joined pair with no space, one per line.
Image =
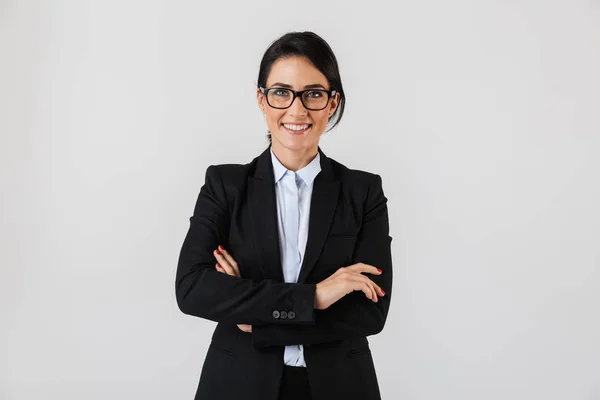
263,209
263,212
323,203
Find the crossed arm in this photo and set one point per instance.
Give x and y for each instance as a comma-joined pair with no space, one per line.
203,291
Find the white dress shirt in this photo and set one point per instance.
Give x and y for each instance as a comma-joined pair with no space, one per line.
293,209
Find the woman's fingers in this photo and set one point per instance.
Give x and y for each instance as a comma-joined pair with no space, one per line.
366,285
230,260
358,281
346,280
224,265
219,268
370,269
362,267
357,269
227,262
376,288
350,279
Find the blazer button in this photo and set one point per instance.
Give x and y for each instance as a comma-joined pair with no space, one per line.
283,315
276,314
291,315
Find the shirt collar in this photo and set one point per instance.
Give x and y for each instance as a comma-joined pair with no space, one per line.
308,173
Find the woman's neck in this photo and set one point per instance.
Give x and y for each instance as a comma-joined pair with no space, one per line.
293,160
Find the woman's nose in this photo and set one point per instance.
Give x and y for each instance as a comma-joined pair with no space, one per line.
297,107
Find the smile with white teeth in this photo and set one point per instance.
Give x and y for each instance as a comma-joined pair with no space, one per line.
295,127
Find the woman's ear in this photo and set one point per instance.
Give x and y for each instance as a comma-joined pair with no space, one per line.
260,99
334,104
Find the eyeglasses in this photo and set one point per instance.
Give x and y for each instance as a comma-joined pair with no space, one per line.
312,99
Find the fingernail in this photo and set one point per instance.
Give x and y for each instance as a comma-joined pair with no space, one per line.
221,247
218,252
379,270
218,265
383,291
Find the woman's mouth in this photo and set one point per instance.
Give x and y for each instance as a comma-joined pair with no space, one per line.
297,129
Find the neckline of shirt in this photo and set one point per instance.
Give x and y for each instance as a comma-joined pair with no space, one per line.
307,173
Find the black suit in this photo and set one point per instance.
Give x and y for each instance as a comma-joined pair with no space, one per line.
348,223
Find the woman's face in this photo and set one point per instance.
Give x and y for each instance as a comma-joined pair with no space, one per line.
296,73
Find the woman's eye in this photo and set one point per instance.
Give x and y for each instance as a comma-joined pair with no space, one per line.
281,93
315,94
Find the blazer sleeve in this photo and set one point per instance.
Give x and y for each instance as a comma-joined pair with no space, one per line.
204,292
353,315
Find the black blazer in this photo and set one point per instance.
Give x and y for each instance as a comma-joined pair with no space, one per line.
348,223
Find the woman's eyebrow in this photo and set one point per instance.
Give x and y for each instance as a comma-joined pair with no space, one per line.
285,85
314,86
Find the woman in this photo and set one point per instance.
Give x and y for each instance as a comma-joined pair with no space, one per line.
290,253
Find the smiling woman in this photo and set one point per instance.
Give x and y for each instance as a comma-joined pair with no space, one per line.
290,253
290,67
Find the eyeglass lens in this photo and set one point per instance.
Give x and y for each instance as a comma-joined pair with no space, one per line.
313,99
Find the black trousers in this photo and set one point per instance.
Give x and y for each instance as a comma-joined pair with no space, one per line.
294,384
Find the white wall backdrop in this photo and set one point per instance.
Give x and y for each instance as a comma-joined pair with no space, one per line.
481,116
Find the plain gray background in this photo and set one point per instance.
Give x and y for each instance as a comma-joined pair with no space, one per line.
482,117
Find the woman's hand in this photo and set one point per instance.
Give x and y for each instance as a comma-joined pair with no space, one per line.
227,265
346,280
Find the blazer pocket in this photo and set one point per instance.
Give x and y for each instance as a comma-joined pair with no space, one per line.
358,346
342,234
357,352
222,348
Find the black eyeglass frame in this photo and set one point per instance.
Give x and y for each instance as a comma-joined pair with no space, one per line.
330,94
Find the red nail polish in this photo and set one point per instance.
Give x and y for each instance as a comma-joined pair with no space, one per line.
383,291
221,247
379,270
218,252
218,265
